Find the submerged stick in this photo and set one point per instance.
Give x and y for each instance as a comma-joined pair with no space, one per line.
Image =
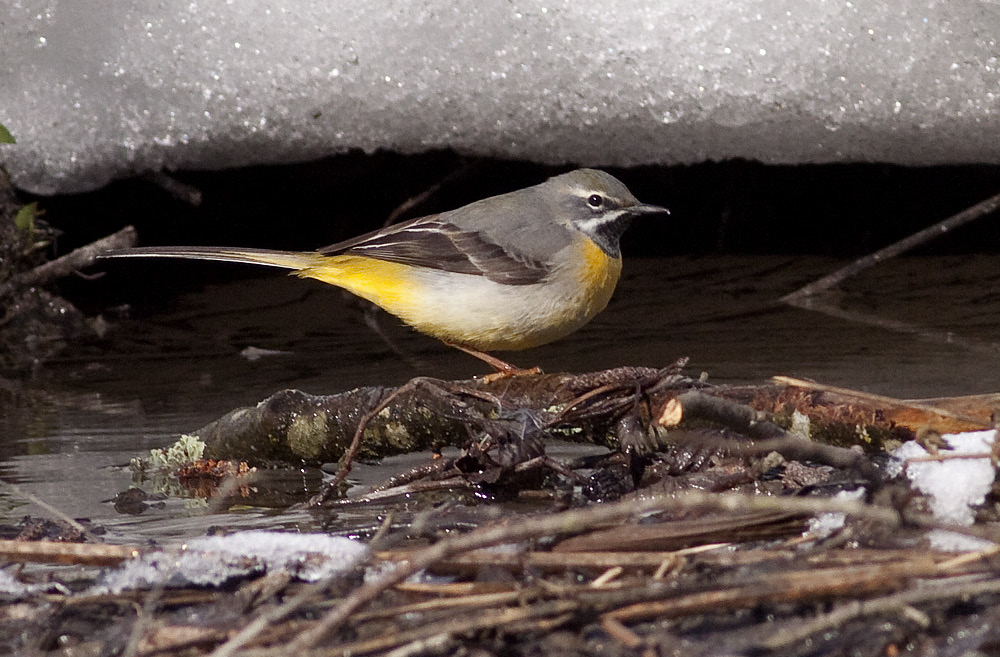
823,284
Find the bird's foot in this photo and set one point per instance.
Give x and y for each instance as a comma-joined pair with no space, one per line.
512,371
502,367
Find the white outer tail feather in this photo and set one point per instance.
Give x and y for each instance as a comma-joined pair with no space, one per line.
284,259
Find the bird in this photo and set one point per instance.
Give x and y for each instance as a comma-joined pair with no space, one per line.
504,273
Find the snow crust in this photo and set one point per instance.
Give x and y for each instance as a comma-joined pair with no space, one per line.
97,89
212,560
825,524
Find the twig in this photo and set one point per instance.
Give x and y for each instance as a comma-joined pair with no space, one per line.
575,407
607,577
554,465
878,399
420,198
794,448
941,457
477,601
549,561
776,588
330,489
371,314
969,557
888,604
622,634
181,191
378,539
69,263
436,468
444,589
16,490
931,232
65,553
895,325
274,615
460,625
411,488
144,621
435,645
604,398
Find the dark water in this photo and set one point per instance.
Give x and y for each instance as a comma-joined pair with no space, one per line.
171,372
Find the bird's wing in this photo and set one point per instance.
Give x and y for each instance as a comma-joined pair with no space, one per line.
436,243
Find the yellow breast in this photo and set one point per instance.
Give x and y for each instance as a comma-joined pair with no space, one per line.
599,275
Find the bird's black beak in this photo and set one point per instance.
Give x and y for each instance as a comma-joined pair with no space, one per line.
643,209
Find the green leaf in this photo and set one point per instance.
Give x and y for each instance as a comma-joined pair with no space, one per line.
25,219
5,136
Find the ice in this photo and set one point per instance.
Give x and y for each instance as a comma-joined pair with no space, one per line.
955,486
214,559
97,89
13,588
825,524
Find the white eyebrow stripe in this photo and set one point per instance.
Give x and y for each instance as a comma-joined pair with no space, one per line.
587,193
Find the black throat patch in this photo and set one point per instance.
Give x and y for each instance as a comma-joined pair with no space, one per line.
607,234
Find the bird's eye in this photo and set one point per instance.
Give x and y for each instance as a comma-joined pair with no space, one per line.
595,200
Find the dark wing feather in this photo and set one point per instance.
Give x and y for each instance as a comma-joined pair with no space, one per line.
436,244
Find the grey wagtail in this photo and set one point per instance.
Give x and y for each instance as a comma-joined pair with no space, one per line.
508,272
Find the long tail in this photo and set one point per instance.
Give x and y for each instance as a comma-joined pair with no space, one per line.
296,260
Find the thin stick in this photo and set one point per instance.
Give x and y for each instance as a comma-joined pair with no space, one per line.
329,489
898,603
606,577
477,601
100,554
257,626
937,458
622,634
895,325
181,191
921,237
969,557
69,263
459,625
796,586
644,560
421,198
16,490
412,488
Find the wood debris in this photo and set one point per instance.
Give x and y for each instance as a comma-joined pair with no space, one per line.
709,526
